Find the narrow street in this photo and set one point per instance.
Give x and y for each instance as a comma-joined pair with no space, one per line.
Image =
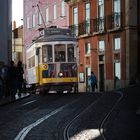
82,116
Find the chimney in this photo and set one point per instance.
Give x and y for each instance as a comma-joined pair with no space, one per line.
14,24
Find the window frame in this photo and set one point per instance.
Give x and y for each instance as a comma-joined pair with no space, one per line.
47,14
33,20
54,11
117,43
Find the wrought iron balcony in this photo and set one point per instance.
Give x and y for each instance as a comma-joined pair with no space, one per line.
98,24
88,26
114,20
84,27
74,29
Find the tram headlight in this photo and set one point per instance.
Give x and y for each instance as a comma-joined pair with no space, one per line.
60,74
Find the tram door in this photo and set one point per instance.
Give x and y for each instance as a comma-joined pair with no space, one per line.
101,77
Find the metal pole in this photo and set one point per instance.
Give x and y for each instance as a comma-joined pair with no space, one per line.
41,15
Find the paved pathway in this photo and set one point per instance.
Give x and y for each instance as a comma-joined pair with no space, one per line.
7,100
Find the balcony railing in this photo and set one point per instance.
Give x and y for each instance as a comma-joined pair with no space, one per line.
98,24
74,29
114,20
84,27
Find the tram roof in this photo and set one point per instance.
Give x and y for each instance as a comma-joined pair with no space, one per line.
52,38
54,34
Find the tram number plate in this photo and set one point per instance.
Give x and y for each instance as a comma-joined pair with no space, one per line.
45,66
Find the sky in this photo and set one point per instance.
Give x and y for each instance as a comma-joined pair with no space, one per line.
17,12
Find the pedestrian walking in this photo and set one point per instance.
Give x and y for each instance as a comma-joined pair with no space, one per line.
92,81
20,81
1,87
3,80
12,79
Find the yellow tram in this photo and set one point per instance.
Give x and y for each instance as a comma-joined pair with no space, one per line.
52,61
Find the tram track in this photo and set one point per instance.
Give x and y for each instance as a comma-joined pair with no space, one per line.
99,131
107,117
23,133
55,123
67,128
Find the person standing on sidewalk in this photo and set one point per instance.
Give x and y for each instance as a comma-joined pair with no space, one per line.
20,73
93,81
12,79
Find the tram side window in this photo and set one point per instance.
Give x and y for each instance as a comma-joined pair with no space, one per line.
31,62
70,52
47,53
60,53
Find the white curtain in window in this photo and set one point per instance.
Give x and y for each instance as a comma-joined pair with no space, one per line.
33,20
118,70
54,11
116,6
39,18
100,8
47,14
62,8
117,43
75,16
101,45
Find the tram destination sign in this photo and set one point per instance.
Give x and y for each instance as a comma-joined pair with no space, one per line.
56,31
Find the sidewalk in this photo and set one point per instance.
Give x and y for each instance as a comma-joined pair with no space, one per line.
8,100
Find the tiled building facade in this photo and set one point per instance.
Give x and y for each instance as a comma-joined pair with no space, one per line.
43,13
107,33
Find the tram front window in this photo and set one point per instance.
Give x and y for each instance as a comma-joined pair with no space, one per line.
70,52
47,53
60,53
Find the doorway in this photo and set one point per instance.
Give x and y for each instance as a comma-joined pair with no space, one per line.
101,77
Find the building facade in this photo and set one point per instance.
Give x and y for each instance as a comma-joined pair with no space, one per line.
17,44
107,33
6,31
41,14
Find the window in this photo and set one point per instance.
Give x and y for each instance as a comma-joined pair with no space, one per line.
62,8
31,62
117,70
33,20
88,71
116,6
87,48
47,15
39,18
101,46
117,43
75,20
116,11
70,53
100,14
47,53
87,17
28,23
54,11
60,53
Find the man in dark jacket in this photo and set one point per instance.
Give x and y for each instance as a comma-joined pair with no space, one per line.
20,73
12,79
93,81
